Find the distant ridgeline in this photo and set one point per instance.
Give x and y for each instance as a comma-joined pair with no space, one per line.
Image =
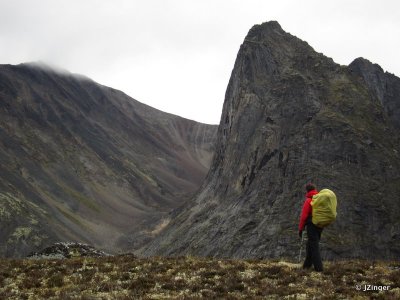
86,163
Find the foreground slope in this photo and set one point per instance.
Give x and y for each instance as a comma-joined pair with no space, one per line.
84,162
292,115
125,277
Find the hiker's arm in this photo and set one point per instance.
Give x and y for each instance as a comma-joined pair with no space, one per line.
305,212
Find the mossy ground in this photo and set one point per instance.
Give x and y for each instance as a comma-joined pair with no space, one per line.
127,277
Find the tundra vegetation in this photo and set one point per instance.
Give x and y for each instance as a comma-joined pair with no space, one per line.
128,277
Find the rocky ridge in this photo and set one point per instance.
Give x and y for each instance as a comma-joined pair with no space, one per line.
86,163
292,115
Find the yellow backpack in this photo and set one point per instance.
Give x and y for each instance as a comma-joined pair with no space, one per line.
324,208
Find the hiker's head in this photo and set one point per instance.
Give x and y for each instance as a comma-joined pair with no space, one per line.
310,186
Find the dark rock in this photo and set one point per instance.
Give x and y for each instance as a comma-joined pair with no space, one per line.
292,115
67,250
83,162
383,85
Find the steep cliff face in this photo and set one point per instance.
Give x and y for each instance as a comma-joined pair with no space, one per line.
383,85
292,115
84,162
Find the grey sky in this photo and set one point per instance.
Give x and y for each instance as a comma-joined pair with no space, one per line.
177,55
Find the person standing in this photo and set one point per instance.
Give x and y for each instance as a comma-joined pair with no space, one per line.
313,256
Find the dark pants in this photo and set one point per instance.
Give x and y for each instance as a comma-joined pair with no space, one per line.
313,257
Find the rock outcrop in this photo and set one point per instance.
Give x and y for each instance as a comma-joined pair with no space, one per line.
86,163
291,115
65,250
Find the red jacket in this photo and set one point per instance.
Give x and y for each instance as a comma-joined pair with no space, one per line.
307,209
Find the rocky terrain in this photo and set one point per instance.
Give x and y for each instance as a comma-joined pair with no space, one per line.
86,163
67,250
290,116
125,277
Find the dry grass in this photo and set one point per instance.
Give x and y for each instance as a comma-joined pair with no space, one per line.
126,277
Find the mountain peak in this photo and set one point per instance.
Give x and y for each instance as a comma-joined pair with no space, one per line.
365,64
261,31
292,115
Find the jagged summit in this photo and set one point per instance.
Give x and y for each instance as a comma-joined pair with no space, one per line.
261,31
292,115
363,63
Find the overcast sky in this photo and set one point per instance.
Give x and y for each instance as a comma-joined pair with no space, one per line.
177,55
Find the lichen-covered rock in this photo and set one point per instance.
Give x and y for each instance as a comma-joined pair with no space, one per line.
292,115
64,250
22,224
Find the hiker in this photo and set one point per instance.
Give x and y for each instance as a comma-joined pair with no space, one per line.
313,256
